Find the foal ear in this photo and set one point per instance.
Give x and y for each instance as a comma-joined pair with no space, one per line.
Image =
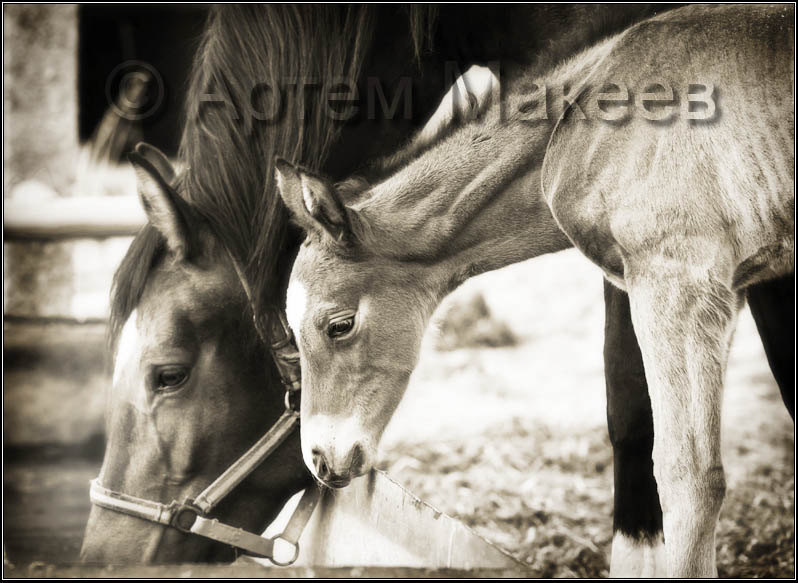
312,201
165,209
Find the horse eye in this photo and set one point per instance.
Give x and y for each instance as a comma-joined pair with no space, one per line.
171,378
340,327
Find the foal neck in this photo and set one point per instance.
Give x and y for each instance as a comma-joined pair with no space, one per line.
474,202
471,204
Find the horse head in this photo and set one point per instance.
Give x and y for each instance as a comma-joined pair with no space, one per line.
192,387
358,317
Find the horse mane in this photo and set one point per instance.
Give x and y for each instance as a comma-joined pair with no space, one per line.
227,156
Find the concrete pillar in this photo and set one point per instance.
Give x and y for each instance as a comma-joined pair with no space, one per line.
40,103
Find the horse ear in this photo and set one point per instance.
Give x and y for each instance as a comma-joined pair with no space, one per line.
312,201
158,160
165,210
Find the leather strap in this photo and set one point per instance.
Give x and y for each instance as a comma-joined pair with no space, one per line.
250,460
252,543
302,513
211,528
130,505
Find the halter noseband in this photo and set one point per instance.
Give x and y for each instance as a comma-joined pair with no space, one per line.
191,515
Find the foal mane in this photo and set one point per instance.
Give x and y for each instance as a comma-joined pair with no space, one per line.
227,156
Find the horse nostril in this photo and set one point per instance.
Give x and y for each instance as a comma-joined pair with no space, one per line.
358,459
320,463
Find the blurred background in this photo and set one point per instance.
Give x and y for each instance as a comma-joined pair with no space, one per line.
503,425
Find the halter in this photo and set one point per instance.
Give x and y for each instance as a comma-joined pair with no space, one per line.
191,515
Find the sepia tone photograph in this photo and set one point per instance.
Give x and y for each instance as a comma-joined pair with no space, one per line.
398,290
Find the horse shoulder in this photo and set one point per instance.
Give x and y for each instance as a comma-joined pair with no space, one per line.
575,178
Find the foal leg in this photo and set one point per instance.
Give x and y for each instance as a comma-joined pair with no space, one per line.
684,317
773,308
637,548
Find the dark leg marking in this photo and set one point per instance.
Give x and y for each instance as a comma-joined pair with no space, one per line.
637,511
773,308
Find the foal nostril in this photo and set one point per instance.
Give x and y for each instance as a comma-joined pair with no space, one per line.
320,463
358,459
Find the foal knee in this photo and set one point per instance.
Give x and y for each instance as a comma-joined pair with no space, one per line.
710,490
695,493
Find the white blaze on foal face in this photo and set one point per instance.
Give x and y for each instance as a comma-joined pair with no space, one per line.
296,302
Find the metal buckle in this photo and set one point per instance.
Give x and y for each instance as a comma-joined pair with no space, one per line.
279,538
185,515
292,400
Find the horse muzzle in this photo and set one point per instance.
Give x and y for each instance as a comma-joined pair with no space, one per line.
336,453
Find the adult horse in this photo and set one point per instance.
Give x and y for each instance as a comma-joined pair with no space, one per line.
192,389
684,206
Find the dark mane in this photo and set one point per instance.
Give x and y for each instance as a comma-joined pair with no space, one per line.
227,156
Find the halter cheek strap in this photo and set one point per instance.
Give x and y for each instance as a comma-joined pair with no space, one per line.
185,517
191,515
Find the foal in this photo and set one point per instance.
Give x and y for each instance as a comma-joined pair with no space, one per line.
683,205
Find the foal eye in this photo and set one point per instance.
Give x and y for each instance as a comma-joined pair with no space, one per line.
340,327
171,378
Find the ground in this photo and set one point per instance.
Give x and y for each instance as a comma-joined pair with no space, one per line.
512,439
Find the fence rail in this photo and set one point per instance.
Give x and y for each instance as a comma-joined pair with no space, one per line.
65,218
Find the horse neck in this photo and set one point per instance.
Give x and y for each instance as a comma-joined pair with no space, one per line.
514,224
472,204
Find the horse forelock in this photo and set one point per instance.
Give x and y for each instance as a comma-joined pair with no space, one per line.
146,255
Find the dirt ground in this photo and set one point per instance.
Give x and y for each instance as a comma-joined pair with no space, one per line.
512,440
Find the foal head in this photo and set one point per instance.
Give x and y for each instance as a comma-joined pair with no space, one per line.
193,387
358,317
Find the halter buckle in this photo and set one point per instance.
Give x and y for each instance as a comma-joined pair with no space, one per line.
292,400
185,515
280,563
